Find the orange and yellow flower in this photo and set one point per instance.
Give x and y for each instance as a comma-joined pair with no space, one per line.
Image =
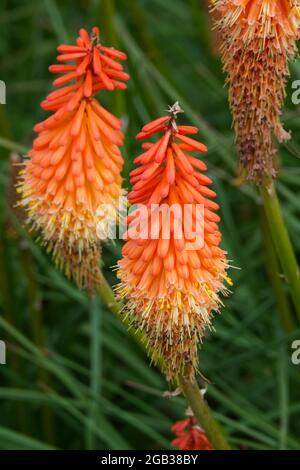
74,166
170,281
259,38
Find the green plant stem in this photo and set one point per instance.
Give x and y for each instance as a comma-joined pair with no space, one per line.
203,414
190,390
282,242
274,273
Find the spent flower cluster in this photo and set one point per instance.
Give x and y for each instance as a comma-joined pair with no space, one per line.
258,41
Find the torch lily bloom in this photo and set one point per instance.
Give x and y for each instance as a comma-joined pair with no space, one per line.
189,436
172,269
74,166
259,39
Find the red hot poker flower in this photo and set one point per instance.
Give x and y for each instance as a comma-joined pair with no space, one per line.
189,436
73,176
169,279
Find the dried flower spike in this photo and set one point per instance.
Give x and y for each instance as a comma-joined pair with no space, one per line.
259,38
74,166
170,278
189,436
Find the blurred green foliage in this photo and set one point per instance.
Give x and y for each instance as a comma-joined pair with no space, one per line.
74,379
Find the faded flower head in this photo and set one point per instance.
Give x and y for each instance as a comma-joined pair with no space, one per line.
172,268
75,163
259,38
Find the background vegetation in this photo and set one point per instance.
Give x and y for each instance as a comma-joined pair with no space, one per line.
74,379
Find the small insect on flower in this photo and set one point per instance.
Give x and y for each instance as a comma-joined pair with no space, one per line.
259,39
189,436
172,268
74,167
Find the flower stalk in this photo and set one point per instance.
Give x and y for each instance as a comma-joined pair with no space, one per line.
191,391
169,286
282,242
275,273
203,414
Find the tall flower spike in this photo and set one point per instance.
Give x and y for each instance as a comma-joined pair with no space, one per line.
259,38
74,166
169,280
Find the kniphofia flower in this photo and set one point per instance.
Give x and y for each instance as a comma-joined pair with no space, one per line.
259,39
169,281
189,436
74,166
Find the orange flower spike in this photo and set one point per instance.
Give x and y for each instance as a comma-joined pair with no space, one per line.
170,279
74,169
95,68
258,40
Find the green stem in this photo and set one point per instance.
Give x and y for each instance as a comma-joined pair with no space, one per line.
274,272
203,415
282,242
191,391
